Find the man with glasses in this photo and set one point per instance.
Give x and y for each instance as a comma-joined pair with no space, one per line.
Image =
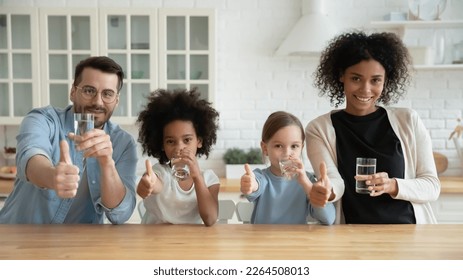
67,178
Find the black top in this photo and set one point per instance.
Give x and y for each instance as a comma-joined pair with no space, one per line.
370,136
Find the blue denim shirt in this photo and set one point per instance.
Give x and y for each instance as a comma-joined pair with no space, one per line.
40,133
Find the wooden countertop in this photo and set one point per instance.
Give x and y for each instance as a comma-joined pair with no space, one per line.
231,241
448,185
451,185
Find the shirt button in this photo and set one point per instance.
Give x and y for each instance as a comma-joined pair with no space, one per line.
93,182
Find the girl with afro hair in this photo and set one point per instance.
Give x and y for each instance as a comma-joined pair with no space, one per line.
183,126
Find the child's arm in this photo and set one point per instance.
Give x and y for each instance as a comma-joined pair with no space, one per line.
207,197
208,204
149,183
325,215
301,174
248,181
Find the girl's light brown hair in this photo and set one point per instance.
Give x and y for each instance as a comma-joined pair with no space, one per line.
278,120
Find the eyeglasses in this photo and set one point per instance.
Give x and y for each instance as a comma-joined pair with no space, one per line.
89,92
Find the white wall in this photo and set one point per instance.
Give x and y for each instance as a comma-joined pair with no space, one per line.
252,82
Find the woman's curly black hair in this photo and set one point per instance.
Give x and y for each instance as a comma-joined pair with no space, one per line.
351,48
165,106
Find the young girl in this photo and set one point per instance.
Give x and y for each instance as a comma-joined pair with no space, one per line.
277,198
178,125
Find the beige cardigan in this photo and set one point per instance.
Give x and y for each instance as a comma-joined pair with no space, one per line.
421,184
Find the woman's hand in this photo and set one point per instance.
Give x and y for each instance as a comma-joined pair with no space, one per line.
380,183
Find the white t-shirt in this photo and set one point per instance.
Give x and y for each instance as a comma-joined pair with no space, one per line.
174,205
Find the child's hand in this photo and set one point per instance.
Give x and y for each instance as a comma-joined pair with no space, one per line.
188,157
299,170
146,185
248,181
321,190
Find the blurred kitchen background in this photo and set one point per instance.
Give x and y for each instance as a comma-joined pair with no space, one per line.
241,71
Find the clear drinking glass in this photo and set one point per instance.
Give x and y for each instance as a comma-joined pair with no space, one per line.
364,166
287,168
180,169
83,122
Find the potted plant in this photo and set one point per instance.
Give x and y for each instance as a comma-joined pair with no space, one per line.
235,158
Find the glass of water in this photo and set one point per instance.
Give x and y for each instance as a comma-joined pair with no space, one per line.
364,166
287,168
83,122
180,169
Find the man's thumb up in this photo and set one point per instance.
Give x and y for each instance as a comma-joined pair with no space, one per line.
64,155
247,169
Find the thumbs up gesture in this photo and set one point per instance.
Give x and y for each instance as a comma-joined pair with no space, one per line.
321,190
66,177
147,182
248,181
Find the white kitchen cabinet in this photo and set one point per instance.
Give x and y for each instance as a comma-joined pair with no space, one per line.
66,37
454,28
130,37
19,75
186,50
449,208
167,48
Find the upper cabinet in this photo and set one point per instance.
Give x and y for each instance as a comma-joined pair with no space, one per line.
66,39
436,41
157,48
130,37
19,62
186,50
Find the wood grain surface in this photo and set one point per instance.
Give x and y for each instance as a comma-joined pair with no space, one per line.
231,242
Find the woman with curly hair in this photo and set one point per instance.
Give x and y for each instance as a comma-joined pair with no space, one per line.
365,71
178,125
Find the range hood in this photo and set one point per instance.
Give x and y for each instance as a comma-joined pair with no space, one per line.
311,33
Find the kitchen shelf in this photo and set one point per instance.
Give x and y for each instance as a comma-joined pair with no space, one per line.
400,27
439,67
418,24
8,155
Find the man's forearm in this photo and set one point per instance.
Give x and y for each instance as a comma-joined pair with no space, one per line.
112,188
39,171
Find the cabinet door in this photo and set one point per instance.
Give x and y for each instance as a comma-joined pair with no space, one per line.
186,50
130,38
19,91
68,36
